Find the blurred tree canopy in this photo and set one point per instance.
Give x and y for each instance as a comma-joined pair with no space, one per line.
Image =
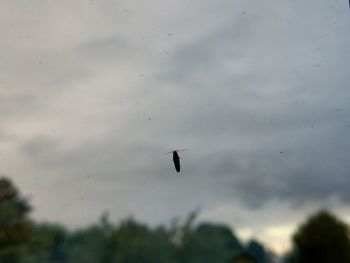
258,252
322,239
26,241
208,243
243,256
134,242
14,223
46,244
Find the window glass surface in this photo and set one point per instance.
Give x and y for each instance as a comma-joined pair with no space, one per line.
174,131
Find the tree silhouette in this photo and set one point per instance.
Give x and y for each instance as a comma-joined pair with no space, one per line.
322,239
46,243
243,257
208,243
14,223
258,251
134,242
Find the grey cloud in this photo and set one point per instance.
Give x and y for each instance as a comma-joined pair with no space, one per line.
310,170
108,48
17,104
288,103
260,99
39,147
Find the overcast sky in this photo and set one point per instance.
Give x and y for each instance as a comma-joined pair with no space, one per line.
93,93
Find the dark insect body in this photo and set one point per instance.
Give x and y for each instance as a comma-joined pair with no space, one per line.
176,160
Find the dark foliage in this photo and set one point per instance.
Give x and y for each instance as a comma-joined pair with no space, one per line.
24,241
323,239
258,252
14,224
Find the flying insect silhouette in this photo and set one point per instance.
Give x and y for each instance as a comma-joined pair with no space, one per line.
176,159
